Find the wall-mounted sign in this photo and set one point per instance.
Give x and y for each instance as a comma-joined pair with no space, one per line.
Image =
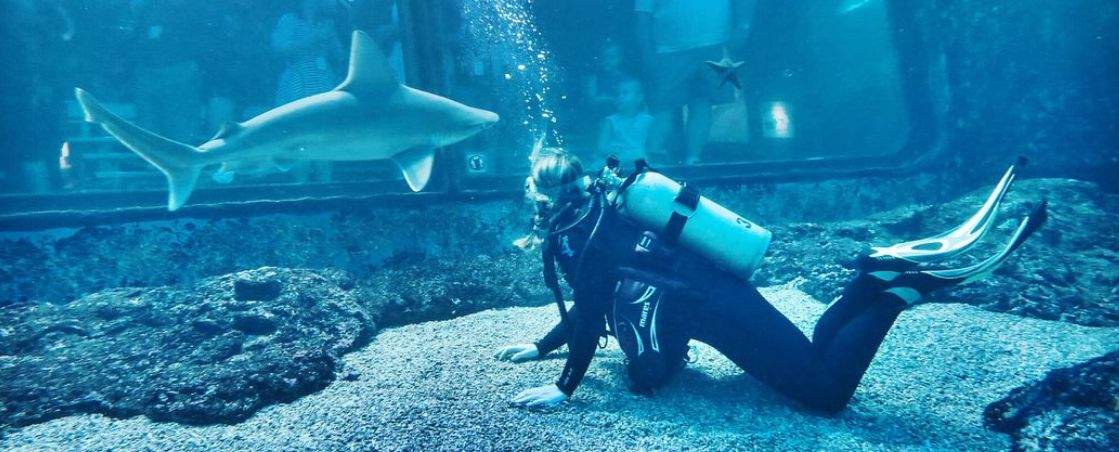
476,163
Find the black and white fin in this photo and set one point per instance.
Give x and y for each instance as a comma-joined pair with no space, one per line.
957,240
912,285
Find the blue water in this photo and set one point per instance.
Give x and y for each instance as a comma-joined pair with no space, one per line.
813,116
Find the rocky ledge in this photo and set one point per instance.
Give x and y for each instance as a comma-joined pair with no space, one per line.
213,351
1075,408
1068,271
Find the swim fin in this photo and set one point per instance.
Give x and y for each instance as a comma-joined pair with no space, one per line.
906,255
958,239
912,285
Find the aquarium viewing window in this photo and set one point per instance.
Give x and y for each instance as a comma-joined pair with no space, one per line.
826,87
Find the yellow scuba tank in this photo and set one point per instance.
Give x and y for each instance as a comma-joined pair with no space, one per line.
677,212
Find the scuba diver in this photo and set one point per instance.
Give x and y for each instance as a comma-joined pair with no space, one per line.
660,265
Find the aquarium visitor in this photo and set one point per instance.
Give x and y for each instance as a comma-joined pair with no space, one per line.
675,38
168,78
625,133
307,42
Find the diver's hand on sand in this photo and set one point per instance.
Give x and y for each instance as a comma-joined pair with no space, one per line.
546,396
517,353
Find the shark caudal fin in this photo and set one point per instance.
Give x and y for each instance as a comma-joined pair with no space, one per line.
180,162
415,163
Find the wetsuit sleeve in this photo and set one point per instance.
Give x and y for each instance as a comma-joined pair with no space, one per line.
557,337
589,324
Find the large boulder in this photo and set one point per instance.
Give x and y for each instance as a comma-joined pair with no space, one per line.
213,351
421,289
1074,408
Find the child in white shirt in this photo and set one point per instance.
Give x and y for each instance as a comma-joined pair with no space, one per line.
626,132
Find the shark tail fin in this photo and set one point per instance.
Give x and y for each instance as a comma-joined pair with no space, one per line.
415,163
180,162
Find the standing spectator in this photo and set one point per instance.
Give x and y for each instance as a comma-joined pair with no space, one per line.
675,38
308,43
238,72
34,38
381,20
602,84
168,80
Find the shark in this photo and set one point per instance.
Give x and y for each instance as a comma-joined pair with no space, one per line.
370,116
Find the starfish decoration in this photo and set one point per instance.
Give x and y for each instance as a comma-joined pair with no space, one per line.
727,69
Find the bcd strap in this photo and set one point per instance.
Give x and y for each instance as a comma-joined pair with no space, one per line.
674,227
639,166
687,197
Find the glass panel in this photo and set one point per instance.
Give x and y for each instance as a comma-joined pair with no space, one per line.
676,81
657,79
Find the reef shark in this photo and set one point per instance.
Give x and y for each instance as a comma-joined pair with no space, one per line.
370,116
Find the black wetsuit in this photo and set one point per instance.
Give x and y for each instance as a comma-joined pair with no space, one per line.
719,309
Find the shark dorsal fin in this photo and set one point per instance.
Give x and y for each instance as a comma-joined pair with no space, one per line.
369,69
227,129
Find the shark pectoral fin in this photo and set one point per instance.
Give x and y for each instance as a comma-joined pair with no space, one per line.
227,129
369,69
224,174
416,163
283,165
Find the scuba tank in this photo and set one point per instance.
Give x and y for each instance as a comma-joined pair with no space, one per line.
678,214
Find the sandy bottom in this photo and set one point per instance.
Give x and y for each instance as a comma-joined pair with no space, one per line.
434,386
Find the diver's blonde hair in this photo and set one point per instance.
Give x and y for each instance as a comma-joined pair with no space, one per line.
556,167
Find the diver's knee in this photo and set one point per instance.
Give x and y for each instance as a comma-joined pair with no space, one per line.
831,404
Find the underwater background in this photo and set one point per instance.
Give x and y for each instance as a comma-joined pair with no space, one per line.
326,307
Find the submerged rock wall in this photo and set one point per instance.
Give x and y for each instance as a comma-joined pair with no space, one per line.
1033,77
214,351
1074,408
446,255
60,265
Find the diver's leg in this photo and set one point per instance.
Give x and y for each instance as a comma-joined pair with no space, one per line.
738,322
856,297
848,335
849,350
910,283
753,334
